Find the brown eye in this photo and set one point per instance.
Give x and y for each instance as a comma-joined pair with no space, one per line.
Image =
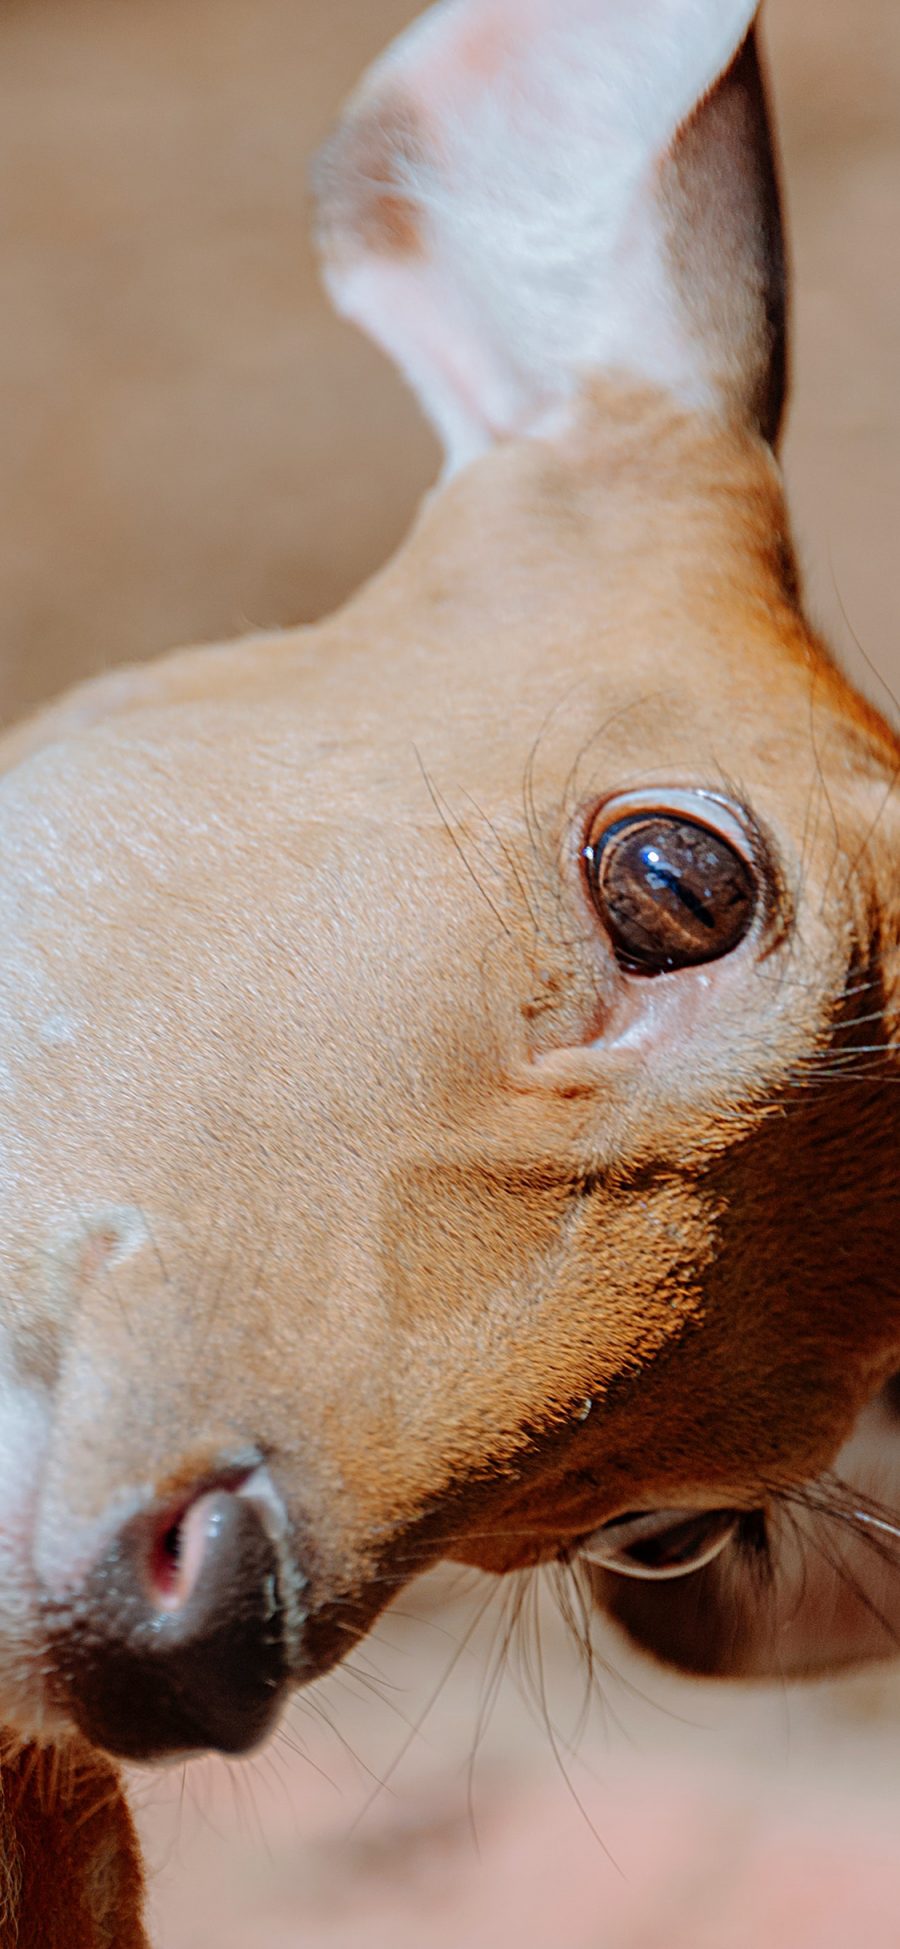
670,892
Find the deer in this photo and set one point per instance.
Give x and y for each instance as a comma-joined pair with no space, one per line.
447,1050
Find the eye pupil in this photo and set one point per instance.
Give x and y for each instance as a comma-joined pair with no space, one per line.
671,892
665,879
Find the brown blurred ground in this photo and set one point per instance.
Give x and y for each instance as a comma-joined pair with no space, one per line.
193,445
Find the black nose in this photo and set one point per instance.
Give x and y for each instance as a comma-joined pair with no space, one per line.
175,1643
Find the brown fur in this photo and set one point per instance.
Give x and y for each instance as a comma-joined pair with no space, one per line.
70,1873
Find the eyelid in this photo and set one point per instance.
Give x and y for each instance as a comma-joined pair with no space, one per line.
702,808
608,1547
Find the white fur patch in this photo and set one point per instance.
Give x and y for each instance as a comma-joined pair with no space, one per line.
58,1029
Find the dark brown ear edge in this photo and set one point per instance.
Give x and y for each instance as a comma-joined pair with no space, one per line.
721,198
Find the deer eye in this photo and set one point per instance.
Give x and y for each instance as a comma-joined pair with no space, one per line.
670,891
661,1543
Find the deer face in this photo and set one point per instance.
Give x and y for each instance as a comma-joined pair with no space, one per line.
422,1035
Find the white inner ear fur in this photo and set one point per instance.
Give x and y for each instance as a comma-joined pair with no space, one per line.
537,127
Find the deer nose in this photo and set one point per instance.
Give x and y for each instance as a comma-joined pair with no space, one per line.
175,1643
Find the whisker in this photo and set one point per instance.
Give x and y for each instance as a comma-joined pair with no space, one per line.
442,810
384,1783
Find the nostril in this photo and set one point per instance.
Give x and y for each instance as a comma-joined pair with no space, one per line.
177,1640
176,1552
166,1581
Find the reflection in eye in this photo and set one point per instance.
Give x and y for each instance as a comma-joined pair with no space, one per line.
661,1543
671,893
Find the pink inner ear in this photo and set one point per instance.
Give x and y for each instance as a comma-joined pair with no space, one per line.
479,41
483,44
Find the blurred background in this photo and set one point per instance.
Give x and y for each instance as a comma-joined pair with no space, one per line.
193,446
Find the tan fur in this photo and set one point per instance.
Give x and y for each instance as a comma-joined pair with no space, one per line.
435,1296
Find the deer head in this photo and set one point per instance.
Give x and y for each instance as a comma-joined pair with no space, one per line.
446,1052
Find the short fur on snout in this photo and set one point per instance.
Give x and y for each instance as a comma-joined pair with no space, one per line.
337,1135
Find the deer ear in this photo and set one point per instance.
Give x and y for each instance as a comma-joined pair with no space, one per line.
527,192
